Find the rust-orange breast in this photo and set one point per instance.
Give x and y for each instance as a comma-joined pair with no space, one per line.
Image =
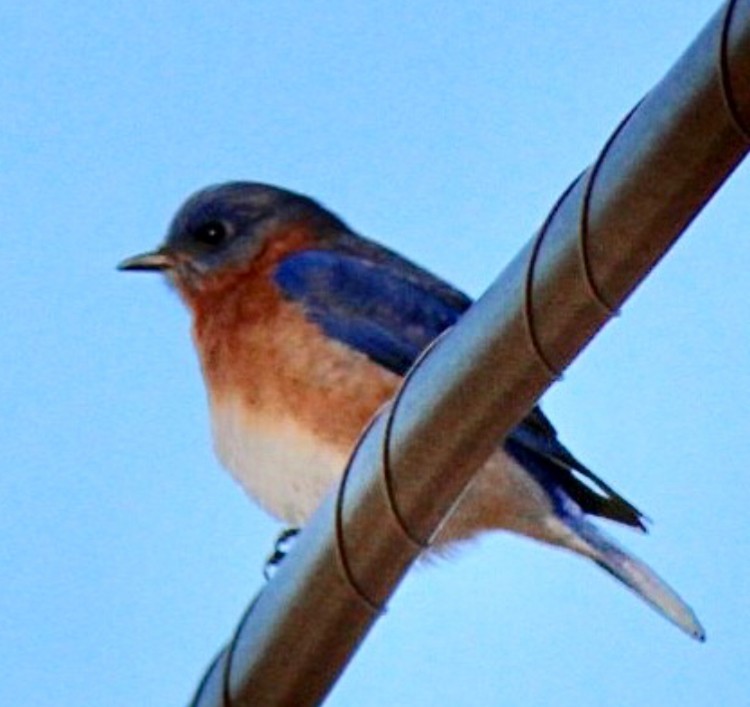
302,397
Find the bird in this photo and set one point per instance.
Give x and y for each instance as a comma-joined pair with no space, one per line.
304,329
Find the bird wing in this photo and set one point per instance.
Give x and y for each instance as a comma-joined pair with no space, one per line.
368,306
387,308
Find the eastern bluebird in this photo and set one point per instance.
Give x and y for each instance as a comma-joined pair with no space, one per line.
304,329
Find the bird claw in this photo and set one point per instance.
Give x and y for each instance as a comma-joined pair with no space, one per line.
280,550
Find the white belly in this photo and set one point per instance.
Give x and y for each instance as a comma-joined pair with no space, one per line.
288,471
279,464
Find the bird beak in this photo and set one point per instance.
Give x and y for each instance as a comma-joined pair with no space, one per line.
157,260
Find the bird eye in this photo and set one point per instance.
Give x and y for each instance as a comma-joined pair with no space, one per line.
211,233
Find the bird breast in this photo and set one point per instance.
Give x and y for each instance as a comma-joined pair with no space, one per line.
280,464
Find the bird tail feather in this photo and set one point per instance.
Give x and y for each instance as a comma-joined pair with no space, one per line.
639,578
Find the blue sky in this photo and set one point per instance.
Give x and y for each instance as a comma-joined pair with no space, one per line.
445,130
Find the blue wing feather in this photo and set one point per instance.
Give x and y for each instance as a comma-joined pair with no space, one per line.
367,306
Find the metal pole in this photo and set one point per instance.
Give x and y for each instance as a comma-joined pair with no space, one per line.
603,237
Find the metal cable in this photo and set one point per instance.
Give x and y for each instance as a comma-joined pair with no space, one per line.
725,80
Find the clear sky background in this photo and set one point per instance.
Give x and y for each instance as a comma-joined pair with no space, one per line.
446,130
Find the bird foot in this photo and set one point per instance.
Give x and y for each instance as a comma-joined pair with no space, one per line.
280,550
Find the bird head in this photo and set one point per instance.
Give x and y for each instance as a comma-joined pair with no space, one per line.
227,226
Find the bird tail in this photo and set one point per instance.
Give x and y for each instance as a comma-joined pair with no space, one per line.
638,577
